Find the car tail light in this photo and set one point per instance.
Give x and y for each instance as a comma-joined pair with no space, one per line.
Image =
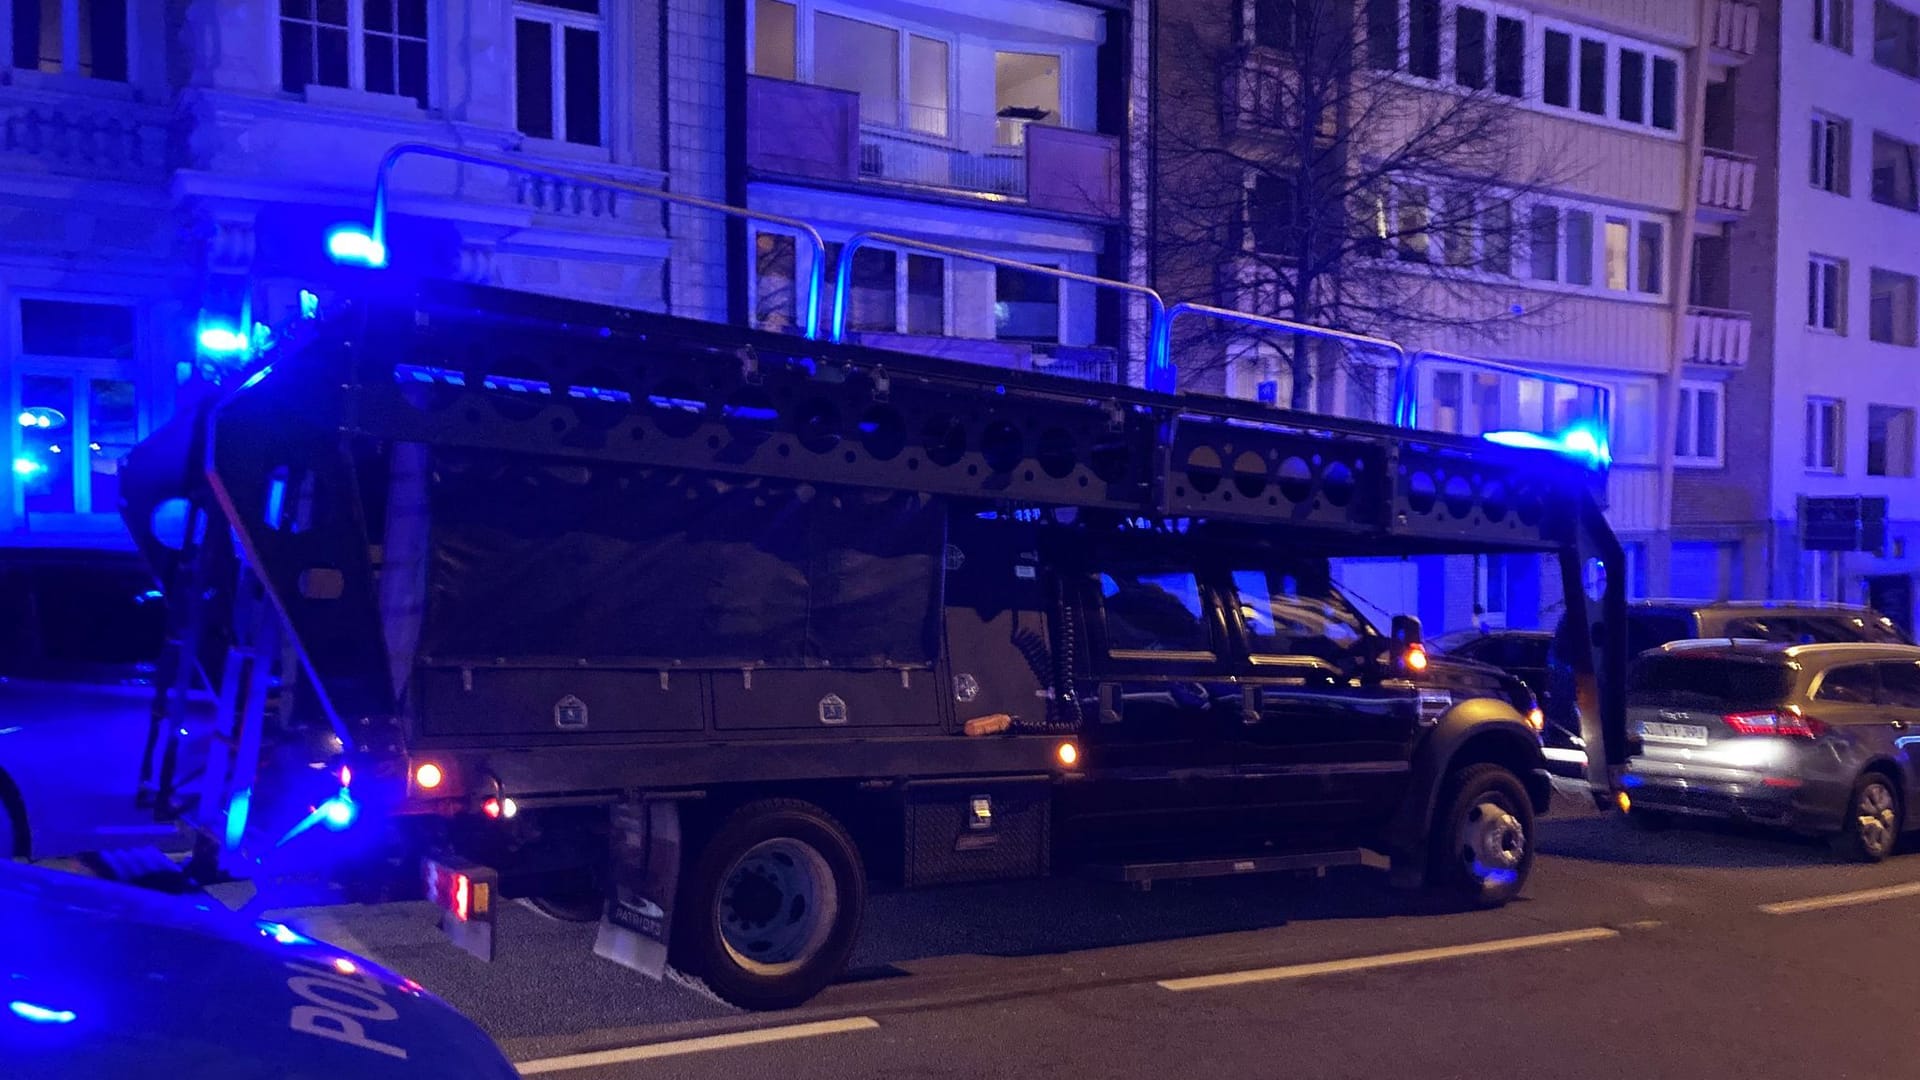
1788,723
1415,658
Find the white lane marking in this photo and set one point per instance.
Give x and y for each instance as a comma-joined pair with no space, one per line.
696,1046
1845,899
1365,963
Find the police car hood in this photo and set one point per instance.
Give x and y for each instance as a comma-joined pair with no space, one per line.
99,979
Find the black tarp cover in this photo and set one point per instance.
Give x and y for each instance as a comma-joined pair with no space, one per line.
530,563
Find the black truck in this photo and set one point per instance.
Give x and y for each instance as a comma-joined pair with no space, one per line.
701,631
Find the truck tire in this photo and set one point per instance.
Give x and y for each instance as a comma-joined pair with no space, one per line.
1482,842
768,911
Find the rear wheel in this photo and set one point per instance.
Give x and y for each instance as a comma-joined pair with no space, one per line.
1482,842
1872,827
769,910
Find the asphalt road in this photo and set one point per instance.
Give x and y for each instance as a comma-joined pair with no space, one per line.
1690,953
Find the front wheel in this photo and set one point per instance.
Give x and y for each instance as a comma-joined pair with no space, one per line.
1482,842
768,914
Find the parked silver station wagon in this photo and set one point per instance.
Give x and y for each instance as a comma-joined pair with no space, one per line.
1814,738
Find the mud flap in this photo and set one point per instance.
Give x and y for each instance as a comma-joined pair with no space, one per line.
645,840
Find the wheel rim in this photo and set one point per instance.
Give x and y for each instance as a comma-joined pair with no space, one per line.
776,906
1492,843
1873,817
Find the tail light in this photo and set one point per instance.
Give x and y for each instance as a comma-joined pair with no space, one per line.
1414,659
1788,723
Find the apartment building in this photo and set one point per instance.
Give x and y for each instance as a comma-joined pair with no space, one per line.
1582,272
169,172
1824,269
1001,128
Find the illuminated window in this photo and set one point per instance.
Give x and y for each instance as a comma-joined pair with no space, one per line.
557,70
76,407
75,37
776,292
379,46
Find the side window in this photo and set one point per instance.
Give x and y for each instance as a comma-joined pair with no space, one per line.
1900,684
1785,628
1295,614
1151,611
1853,684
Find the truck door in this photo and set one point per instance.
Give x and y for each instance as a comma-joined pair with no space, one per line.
1324,741
1160,760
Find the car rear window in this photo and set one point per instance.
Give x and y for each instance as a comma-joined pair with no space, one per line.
1715,682
1652,629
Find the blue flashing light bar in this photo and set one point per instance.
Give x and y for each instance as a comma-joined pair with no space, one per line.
339,811
26,466
219,340
1580,442
39,1014
355,245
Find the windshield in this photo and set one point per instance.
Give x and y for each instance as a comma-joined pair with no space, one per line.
1713,682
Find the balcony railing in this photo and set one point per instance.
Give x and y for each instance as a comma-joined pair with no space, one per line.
817,132
120,139
1717,337
1736,30
1726,184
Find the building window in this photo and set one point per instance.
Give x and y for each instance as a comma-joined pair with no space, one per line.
1496,238
1609,77
1509,57
1026,306
1449,406
1557,70
1458,227
1700,425
894,292
1896,38
74,37
1632,423
1833,23
1470,47
1579,237
1648,255
379,46
1593,77
1276,23
76,400
776,275
1383,34
1633,86
1823,435
557,65
903,79
1827,294
1889,441
1562,247
1832,137
1423,38
1619,254
1890,307
1414,222
1271,215
1893,172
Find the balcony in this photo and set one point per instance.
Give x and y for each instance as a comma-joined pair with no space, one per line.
1726,185
102,137
816,133
1717,337
1735,32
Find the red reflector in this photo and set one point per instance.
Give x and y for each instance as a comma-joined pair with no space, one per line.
491,808
1780,781
462,897
1787,723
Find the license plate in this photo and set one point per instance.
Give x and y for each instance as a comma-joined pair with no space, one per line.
1682,734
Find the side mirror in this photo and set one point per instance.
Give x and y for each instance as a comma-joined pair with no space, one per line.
1409,650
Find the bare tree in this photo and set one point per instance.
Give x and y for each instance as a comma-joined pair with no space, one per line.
1314,162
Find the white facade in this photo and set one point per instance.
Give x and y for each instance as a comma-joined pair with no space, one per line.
178,172
1845,391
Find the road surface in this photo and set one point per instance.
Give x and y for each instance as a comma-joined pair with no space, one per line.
1694,954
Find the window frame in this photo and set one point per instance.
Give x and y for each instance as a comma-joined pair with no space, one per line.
1912,153
1156,659
357,34
1231,607
1828,14
905,30
1818,292
803,255
1910,323
79,372
1887,469
560,20
1815,444
1690,392
1912,23
70,50
1827,129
